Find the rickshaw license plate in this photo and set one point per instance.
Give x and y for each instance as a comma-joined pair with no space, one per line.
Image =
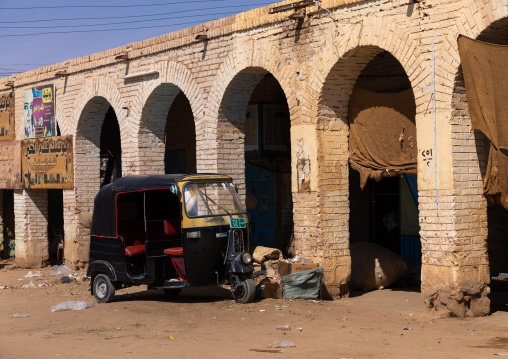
237,222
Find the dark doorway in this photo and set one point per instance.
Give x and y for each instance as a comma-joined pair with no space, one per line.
55,226
8,219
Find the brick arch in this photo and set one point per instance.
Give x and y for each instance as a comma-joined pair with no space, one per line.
229,97
341,62
99,87
156,97
349,58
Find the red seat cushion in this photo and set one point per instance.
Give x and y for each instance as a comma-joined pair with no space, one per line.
135,250
177,251
173,228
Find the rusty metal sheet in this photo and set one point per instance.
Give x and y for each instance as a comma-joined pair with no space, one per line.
47,162
7,117
10,165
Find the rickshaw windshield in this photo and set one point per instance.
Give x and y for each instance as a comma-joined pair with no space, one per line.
211,199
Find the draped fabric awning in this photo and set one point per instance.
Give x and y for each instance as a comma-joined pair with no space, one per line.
485,69
382,139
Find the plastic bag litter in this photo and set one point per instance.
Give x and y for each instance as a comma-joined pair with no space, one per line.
282,344
284,328
303,285
29,285
30,274
61,271
19,315
72,305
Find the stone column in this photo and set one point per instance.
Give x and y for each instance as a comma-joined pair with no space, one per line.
31,226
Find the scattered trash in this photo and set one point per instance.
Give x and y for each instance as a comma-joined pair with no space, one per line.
284,328
3,287
19,315
267,350
301,260
43,285
470,330
410,314
262,310
61,271
501,354
72,305
171,338
65,279
408,328
30,274
282,344
29,285
118,328
300,329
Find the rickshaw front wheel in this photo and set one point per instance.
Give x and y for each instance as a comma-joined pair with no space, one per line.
245,290
103,289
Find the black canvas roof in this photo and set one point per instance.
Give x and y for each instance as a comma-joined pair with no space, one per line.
104,213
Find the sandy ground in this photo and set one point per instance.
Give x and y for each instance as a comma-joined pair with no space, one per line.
207,323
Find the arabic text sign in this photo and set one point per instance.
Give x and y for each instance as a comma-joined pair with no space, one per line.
10,165
7,117
39,111
47,162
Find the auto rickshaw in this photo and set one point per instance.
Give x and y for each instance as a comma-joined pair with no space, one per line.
170,232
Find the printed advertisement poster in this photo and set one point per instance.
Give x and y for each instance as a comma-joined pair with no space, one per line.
10,165
7,117
39,111
47,162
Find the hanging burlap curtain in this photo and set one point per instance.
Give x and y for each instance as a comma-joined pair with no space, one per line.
485,69
382,138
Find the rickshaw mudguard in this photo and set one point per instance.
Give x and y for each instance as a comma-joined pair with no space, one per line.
102,267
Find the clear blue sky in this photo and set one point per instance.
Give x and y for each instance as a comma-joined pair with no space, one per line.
66,29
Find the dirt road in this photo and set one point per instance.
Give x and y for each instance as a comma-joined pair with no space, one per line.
206,323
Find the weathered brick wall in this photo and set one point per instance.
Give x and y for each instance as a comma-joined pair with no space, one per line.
316,62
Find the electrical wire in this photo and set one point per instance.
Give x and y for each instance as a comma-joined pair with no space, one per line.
108,6
119,23
132,16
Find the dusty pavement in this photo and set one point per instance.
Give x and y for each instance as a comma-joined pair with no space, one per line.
206,323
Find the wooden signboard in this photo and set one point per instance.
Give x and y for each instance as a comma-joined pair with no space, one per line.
47,162
10,165
7,117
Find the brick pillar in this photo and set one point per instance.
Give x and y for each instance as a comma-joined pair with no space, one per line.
455,267
31,227
2,244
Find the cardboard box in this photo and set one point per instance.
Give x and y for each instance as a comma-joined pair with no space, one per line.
302,267
271,290
284,268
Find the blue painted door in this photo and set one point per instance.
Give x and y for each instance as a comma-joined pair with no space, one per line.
259,181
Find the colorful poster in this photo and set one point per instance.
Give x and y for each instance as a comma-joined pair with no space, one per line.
7,117
10,165
47,162
39,111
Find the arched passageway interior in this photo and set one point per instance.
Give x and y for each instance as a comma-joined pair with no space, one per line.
110,149
180,137
8,221
268,166
254,148
497,214
383,192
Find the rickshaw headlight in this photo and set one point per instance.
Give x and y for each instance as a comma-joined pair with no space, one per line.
246,258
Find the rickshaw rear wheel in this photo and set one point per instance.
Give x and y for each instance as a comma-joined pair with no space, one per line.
245,290
103,289
171,291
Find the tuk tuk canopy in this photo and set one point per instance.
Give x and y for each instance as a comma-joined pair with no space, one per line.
104,221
